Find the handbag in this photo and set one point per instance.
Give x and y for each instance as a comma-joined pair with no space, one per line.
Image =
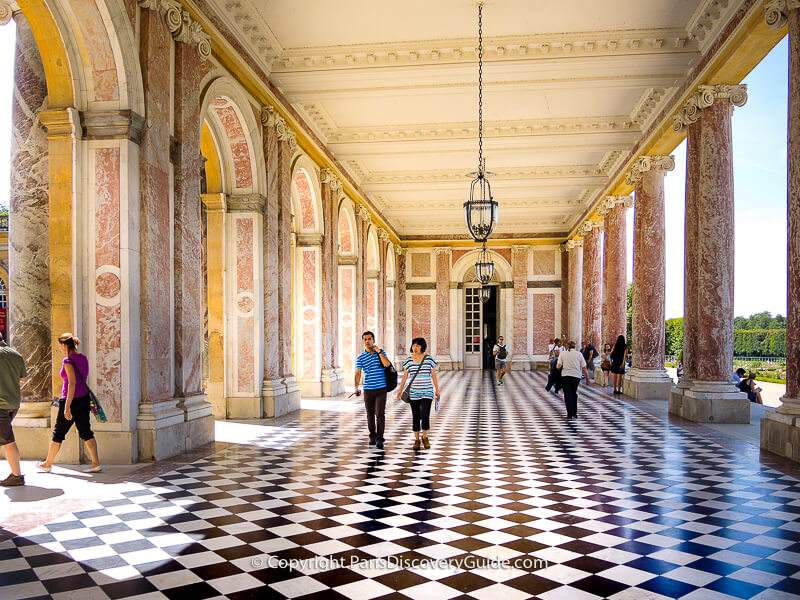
405,395
94,403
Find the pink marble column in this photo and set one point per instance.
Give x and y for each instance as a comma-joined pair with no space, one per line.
28,239
330,186
519,266
400,303
690,292
592,283
272,356
443,256
563,327
575,250
383,247
615,268
363,221
284,176
189,71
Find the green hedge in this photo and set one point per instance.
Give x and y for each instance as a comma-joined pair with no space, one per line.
759,342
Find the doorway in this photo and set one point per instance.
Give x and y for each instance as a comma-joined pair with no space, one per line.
480,327
489,328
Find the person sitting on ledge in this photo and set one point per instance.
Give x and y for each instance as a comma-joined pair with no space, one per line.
738,374
748,386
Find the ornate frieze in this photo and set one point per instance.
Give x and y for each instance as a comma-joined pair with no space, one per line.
775,12
705,96
647,163
181,25
610,202
326,176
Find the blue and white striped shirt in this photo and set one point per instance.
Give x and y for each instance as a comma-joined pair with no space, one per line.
423,384
372,367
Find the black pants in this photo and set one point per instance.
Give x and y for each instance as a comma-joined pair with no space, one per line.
421,414
554,378
375,403
80,416
570,385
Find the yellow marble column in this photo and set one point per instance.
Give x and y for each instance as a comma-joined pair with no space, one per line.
216,207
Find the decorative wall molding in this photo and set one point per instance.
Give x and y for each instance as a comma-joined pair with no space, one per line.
705,96
181,25
443,250
61,123
251,203
776,12
647,163
309,239
568,171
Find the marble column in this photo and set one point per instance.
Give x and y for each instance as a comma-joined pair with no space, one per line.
383,257
216,209
563,327
648,379
710,260
592,283
330,377
364,218
401,342
443,257
29,318
520,352
575,250
615,268
279,391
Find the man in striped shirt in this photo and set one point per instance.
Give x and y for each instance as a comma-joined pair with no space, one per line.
371,363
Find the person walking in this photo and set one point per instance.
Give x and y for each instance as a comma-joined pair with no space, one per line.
74,405
605,363
501,354
371,363
12,373
554,377
423,389
572,363
619,355
589,353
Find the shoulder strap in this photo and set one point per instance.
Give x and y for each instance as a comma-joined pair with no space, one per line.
78,371
422,362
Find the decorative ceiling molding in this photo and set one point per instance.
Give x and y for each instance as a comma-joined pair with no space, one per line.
500,174
707,20
647,105
242,18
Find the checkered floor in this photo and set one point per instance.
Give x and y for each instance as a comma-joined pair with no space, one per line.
619,504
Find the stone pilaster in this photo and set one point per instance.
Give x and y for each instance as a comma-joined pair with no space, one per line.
383,257
710,262
401,343
615,267
331,375
280,393
592,283
29,319
364,218
648,379
564,257
216,224
575,251
780,430
443,256
520,352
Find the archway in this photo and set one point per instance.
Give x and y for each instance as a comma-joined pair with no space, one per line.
348,260
373,266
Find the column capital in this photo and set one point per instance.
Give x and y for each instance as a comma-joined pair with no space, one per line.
270,117
61,123
518,248
401,250
309,239
112,124
215,202
588,226
609,202
251,203
705,96
648,163
383,235
326,175
362,212
776,12
181,25
572,244
6,12
443,250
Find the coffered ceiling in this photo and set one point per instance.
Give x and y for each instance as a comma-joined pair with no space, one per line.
391,89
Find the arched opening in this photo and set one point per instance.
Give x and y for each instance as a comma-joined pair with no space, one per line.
389,309
373,266
348,253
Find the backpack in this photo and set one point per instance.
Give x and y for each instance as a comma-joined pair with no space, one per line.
501,352
552,356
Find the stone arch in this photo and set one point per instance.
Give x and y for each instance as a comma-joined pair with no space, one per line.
306,196
464,264
233,127
348,234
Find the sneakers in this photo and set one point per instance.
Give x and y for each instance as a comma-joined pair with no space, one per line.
426,442
96,469
416,445
372,443
44,469
500,382
13,480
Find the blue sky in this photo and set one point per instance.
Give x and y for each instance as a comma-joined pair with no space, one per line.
759,159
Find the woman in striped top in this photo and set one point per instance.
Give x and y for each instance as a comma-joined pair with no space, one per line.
424,388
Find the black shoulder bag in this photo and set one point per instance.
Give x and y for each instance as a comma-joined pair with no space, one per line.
391,375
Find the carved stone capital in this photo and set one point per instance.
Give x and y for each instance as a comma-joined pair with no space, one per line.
6,12
401,251
112,124
705,96
181,25
250,203
309,239
587,226
776,12
648,163
215,202
61,123
326,176
443,250
572,244
609,202
518,248
383,235
362,212
270,117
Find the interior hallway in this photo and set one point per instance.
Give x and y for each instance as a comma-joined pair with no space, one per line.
620,504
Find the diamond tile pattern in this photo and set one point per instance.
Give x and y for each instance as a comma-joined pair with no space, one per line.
618,504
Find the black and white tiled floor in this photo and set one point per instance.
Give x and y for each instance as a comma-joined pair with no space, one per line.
620,504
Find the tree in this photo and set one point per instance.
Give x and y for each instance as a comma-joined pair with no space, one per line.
673,332
629,329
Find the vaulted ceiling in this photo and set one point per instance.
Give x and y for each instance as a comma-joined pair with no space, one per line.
391,89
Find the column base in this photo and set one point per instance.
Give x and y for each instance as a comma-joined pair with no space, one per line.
243,407
332,382
170,428
780,434
280,397
215,395
444,363
520,362
642,384
676,395
710,402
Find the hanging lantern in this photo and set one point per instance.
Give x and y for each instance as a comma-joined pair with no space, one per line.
480,212
485,294
484,268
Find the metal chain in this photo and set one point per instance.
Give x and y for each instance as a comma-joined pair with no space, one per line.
480,90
